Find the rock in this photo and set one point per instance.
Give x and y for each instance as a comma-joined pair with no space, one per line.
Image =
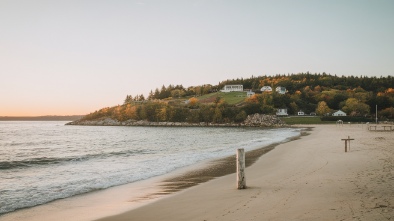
254,120
263,120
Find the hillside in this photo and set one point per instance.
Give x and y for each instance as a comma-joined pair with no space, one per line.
319,93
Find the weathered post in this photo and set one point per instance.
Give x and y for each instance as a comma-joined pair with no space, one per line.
347,140
345,146
241,182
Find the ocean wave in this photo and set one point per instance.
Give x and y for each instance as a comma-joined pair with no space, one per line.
4,165
39,161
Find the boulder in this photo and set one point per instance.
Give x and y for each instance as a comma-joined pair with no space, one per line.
262,120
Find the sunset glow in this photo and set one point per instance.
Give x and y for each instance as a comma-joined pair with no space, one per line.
74,57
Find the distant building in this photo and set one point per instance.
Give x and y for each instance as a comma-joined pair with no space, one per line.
266,89
282,112
301,113
230,88
249,93
281,90
339,113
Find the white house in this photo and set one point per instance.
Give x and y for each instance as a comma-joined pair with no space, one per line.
249,93
339,113
301,113
281,90
229,88
281,112
266,89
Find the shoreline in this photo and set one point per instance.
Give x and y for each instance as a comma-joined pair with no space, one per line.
215,168
146,191
254,120
311,178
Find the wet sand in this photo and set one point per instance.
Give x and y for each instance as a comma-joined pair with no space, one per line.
311,178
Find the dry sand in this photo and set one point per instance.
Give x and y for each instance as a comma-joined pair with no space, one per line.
307,179
311,178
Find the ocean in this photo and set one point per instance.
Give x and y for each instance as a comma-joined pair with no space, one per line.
44,161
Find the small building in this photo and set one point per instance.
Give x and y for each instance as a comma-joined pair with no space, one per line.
281,112
339,113
281,90
266,89
249,93
230,88
301,113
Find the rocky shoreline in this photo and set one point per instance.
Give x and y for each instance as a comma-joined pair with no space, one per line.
254,120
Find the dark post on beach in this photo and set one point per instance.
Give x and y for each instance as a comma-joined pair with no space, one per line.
241,182
347,140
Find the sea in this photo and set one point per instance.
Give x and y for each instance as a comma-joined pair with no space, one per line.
41,161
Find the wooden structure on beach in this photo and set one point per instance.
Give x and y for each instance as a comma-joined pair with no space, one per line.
241,182
383,128
348,139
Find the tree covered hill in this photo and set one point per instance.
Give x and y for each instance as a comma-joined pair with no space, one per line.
320,93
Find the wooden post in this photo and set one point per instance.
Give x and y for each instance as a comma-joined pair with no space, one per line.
241,183
347,140
345,146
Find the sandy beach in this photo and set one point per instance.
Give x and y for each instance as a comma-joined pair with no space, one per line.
311,178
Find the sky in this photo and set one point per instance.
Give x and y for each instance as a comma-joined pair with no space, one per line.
72,57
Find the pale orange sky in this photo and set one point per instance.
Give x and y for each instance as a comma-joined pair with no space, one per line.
74,57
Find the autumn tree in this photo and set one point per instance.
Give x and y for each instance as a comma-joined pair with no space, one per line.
193,102
117,113
130,112
354,107
322,108
161,114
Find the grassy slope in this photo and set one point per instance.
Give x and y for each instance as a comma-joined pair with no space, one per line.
230,97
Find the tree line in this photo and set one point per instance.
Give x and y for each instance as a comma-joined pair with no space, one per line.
160,111
319,93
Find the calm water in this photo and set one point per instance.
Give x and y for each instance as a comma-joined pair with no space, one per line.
44,161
